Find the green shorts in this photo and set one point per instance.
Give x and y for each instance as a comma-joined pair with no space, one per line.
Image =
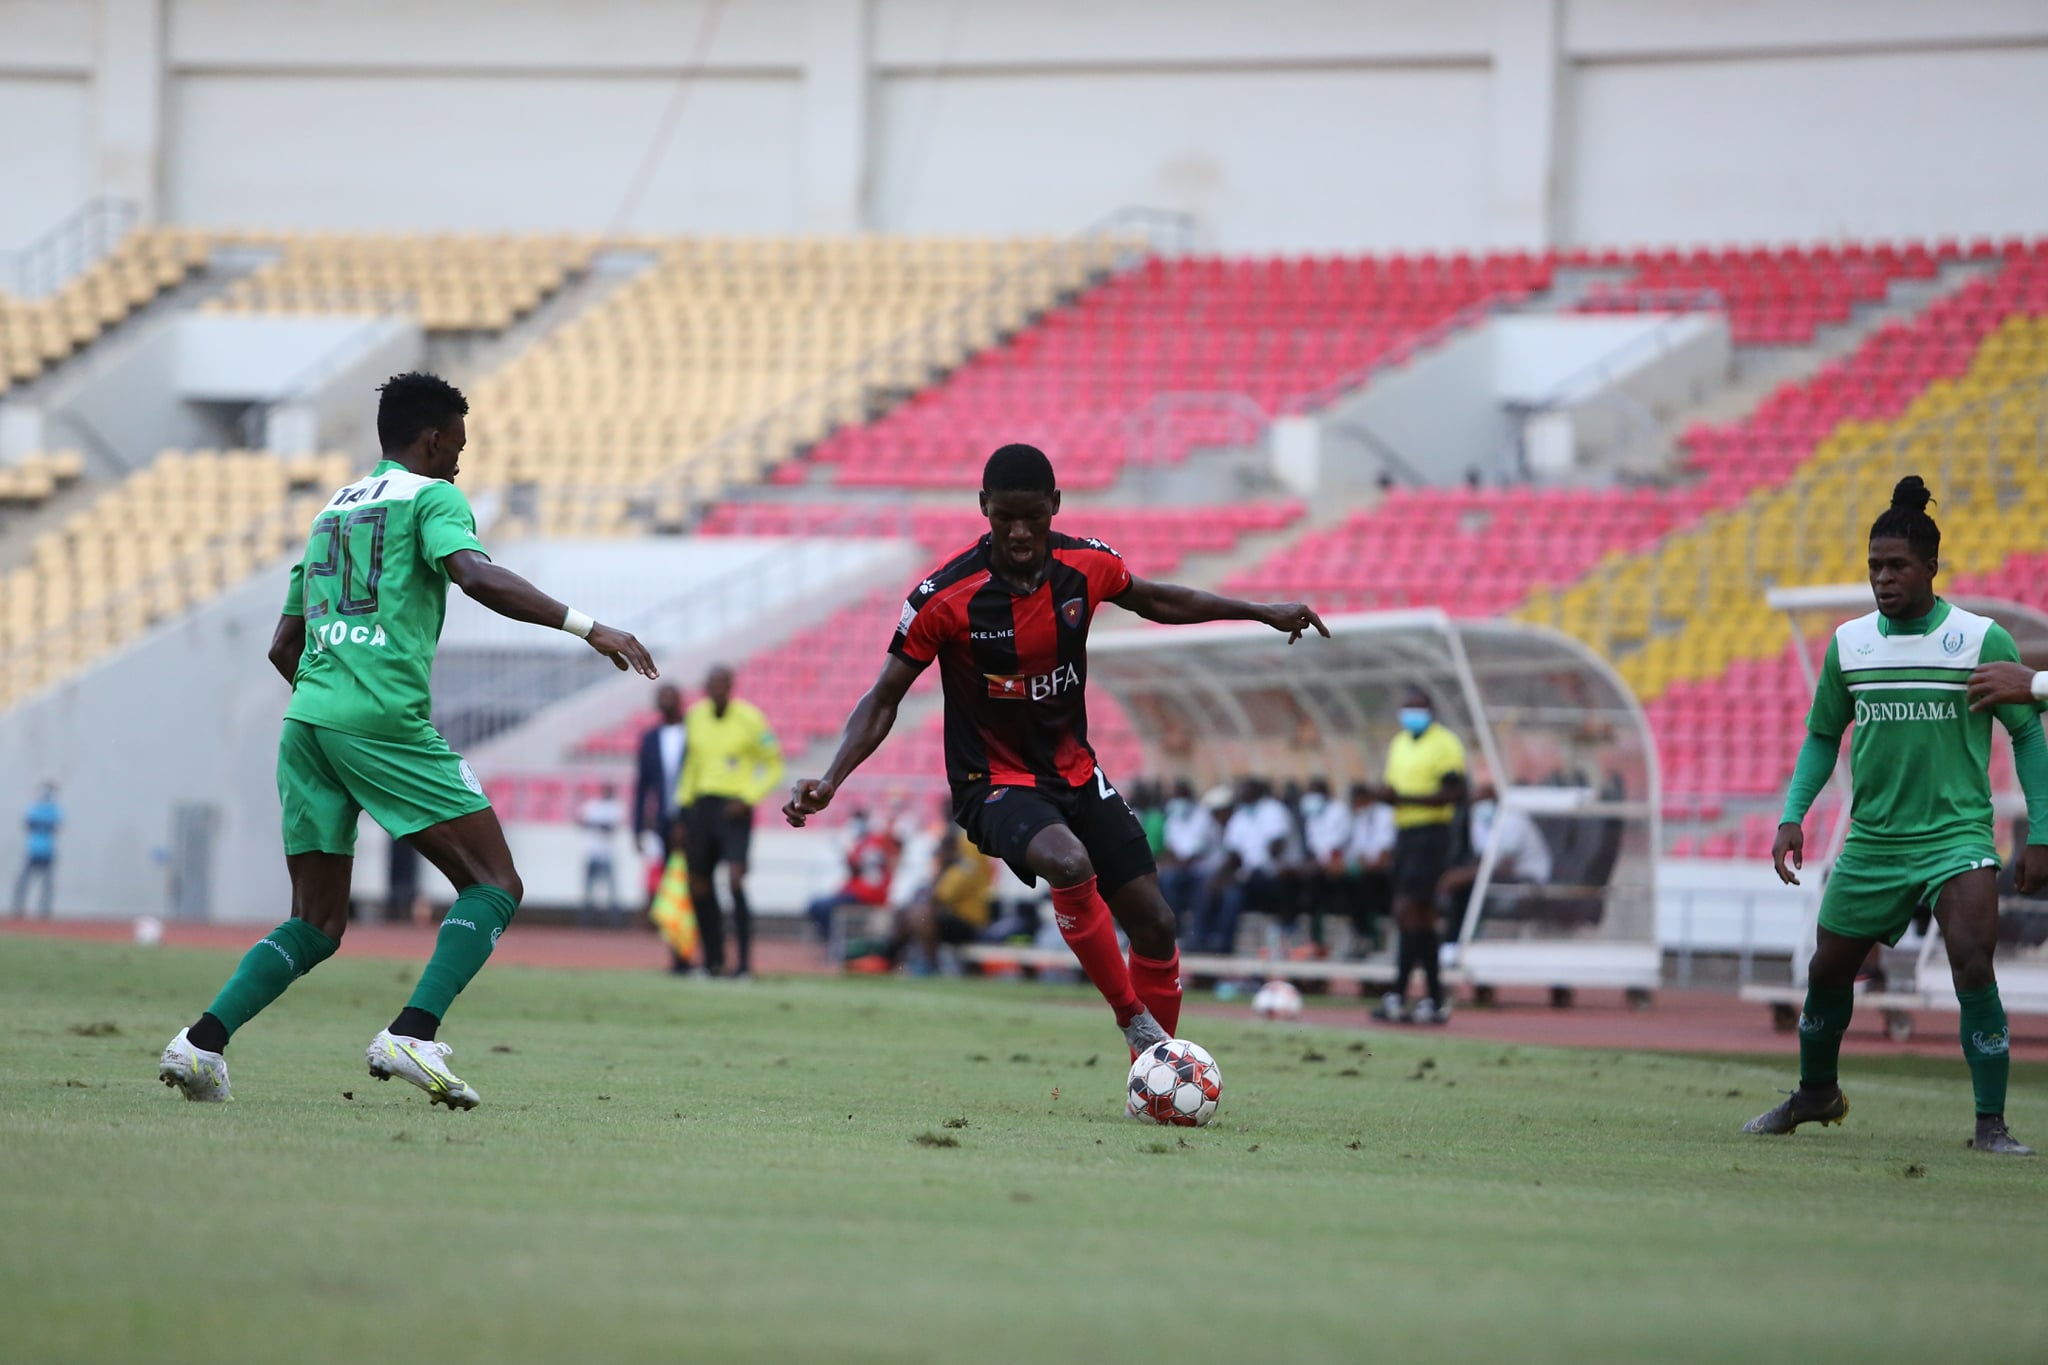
1873,893
326,778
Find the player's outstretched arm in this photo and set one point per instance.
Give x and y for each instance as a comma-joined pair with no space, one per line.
2007,684
872,718
1174,605
506,593
287,643
2030,765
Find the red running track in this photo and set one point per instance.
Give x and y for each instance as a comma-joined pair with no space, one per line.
1680,1021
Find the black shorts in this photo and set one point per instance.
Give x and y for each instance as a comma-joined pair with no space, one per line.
717,835
1422,854
1002,821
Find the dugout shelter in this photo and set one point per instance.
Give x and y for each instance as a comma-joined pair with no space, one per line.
1545,721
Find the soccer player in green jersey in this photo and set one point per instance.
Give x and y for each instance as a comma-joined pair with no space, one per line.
1922,809
356,642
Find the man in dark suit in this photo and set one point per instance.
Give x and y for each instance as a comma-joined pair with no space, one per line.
657,826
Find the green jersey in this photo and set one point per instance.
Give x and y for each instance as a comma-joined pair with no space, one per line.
1920,756
374,591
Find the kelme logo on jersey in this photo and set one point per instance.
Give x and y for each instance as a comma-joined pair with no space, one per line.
1883,712
1033,687
1072,610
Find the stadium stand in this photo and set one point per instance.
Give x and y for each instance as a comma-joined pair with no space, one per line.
36,333
149,548
458,282
37,476
1153,539
1955,394
1276,330
1773,296
1931,405
723,333
1474,552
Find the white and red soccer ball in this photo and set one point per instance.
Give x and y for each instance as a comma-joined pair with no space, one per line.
1175,1083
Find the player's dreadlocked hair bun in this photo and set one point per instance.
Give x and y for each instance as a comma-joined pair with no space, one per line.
1907,518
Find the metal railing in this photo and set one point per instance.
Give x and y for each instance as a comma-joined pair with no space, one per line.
84,238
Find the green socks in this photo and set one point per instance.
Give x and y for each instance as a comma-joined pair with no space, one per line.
1986,1047
1822,1022
295,947
1985,1041
290,951
468,934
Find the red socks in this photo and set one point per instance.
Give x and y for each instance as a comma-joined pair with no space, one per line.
1085,924
1158,985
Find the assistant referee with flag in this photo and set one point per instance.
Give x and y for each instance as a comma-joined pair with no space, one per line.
730,761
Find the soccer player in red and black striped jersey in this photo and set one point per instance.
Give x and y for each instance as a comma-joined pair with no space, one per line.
1007,621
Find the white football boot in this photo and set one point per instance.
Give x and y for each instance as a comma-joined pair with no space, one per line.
422,1063
202,1076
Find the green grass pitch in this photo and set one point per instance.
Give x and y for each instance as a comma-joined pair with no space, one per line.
826,1170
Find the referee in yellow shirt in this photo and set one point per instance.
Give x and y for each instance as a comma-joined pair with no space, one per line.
730,761
1425,783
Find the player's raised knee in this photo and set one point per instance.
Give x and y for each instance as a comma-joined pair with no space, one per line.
1067,866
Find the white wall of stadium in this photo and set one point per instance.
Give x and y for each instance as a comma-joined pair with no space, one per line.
1282,125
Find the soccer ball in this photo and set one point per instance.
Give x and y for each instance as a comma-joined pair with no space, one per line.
149,931
1277,1000
1174,1082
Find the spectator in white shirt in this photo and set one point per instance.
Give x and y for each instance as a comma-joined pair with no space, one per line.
1258,842
1369,864
1325,834
600,818
1190,853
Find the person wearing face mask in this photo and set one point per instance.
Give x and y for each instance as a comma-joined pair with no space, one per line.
1425,782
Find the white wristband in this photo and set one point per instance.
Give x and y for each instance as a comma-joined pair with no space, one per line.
2041,685
577,624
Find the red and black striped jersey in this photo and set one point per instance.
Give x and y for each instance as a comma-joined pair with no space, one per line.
1013,665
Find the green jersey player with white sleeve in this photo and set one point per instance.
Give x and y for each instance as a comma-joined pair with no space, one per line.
362,619
1921,808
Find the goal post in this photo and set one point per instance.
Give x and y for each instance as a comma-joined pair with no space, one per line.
1547,723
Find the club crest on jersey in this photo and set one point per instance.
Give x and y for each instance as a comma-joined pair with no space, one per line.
1071,611
1952,642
